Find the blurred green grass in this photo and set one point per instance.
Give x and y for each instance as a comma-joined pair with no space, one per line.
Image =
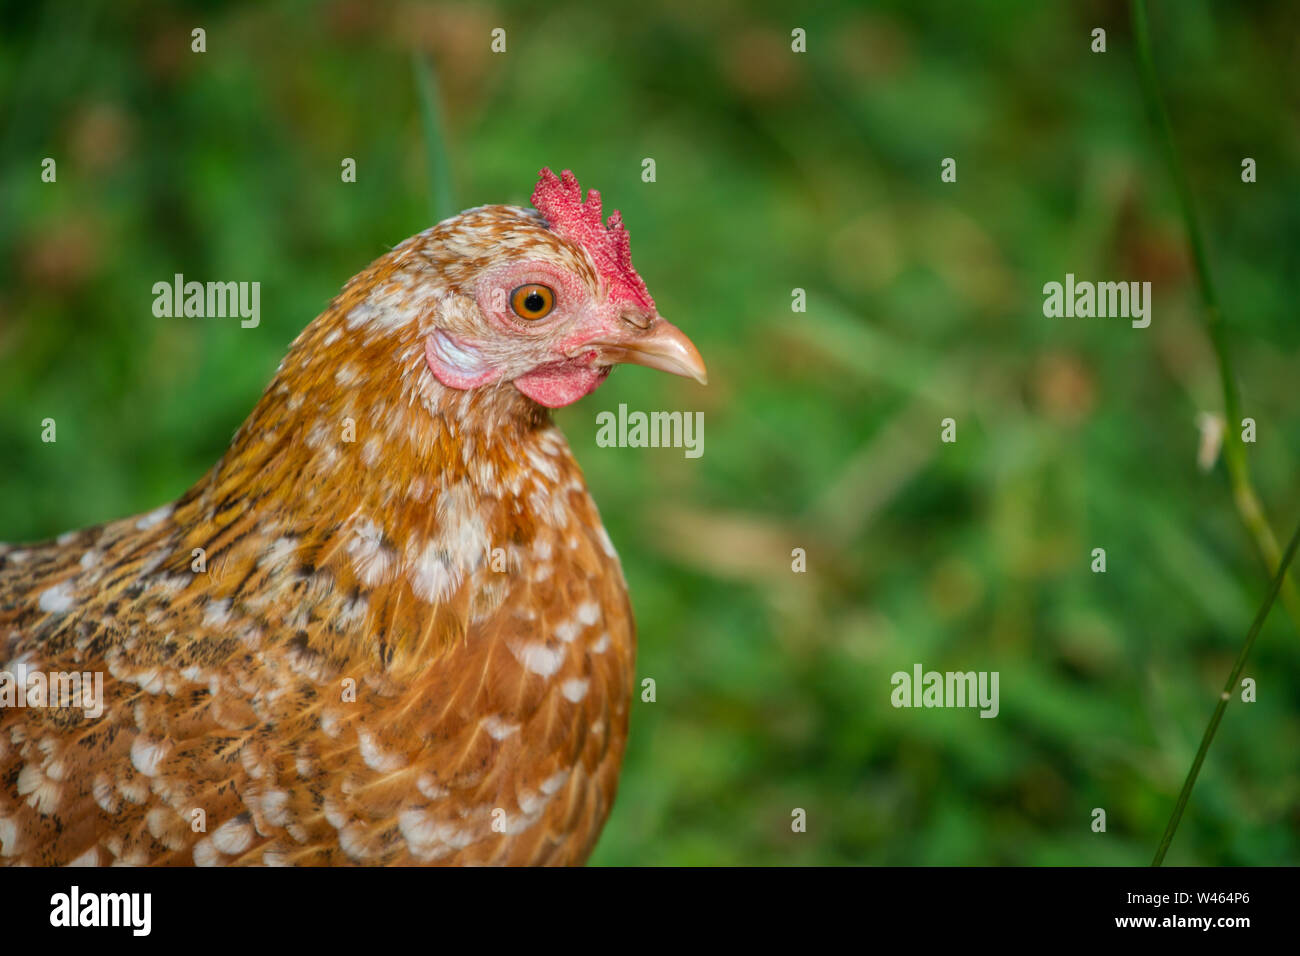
775,171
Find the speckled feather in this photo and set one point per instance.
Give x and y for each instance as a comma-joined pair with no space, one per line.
481,694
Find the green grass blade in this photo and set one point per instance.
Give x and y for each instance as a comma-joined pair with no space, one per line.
1245,497
1228,688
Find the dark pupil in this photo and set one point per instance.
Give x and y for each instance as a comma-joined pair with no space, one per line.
534,302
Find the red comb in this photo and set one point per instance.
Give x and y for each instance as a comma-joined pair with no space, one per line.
559,200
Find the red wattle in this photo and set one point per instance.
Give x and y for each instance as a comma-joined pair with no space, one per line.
562,384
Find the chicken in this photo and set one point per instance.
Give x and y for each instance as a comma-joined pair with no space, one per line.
387,627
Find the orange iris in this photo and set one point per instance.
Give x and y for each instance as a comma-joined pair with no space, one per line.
532,302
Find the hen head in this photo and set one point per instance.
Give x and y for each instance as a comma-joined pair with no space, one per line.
543,300
548,301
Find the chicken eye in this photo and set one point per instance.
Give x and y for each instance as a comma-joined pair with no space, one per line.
532,302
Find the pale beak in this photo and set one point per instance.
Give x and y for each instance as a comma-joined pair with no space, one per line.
661,345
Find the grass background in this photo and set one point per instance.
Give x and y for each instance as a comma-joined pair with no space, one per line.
774,171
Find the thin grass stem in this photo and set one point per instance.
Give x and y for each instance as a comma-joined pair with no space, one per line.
1208,737
1247,501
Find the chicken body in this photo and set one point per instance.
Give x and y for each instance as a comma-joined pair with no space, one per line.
387,627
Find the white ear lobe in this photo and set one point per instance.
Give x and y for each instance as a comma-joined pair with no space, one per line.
457,364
